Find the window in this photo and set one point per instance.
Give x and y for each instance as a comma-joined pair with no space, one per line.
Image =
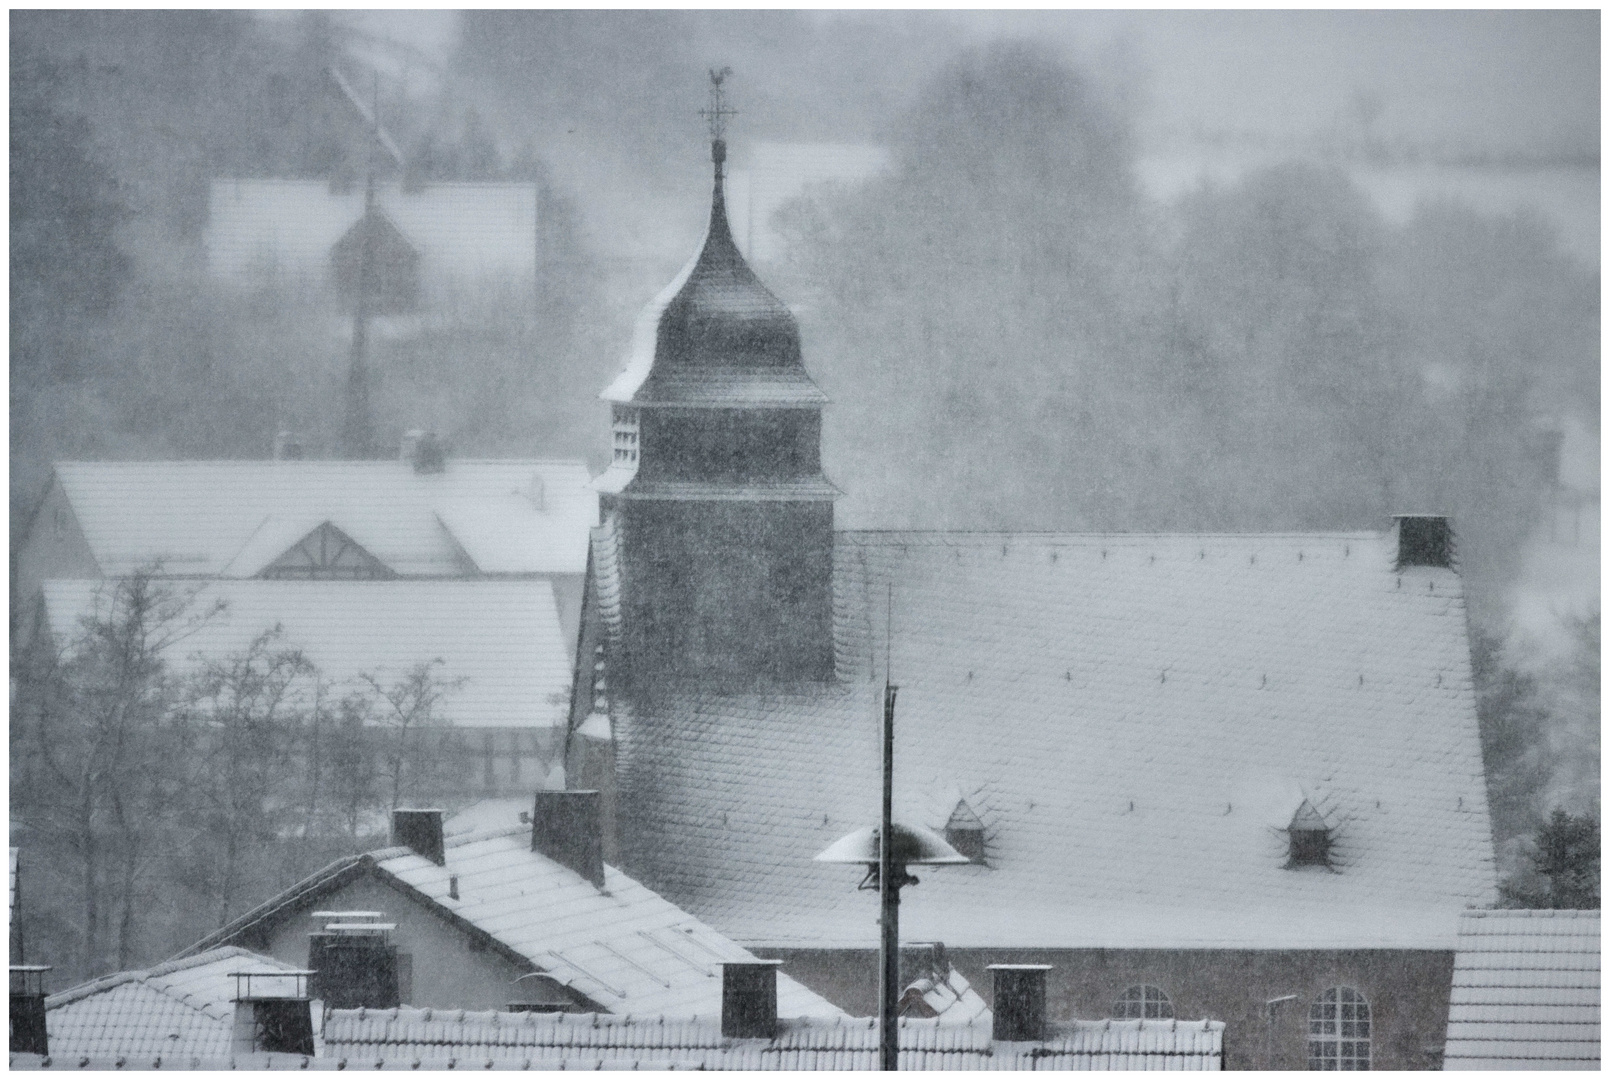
965,832
1143,1003
1310,838
1339,1030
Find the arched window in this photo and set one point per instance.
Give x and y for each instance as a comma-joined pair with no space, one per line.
1143,1003
1339,1030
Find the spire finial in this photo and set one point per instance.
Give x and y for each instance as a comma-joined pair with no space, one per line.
718,110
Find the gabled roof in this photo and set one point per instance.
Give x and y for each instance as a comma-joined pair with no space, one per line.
501,638
623,946
183,1008
232,518
1525,991
548,1040
1134,719
461,230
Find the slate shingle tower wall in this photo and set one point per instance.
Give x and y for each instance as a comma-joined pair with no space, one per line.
716,491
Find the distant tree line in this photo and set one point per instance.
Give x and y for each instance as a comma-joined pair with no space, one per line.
154,800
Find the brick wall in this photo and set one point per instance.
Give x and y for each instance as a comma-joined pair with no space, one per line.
1407,990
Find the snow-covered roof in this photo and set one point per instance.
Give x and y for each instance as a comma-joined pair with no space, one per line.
462,231
549,1040
505,661
1525,991
233,518
1135,720
181,1009
623,946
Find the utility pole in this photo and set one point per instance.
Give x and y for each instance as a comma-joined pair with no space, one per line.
889,900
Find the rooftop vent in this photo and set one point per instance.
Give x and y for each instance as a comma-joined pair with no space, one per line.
28,1034
420,830
1424,540
1019,1002
354,963
749,999
288,446
965,832
273,1013
424,451
567,828
1310,838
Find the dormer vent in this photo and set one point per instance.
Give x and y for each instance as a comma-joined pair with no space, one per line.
1424,540
1310,838
965,832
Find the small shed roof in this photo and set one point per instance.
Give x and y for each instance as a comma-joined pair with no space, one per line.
183,1008
1525,991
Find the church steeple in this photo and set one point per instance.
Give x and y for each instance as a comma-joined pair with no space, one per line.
716,483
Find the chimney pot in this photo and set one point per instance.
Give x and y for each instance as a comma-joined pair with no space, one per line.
28,1030
1019,1002
288,446
749,999
1424,540
424,451
420,830
567,828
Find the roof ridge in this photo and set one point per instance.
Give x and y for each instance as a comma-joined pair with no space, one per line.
1046,534
316,880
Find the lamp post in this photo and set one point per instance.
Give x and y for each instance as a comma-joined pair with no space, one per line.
886,851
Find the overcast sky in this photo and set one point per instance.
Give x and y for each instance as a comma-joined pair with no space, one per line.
1523,79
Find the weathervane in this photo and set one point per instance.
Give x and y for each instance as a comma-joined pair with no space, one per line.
718,110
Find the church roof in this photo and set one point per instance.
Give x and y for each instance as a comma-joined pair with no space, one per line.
1135,720
716,335
233,518
501,638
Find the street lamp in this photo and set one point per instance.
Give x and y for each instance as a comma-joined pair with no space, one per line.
886,851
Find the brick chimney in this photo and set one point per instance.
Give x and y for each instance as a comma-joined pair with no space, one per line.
1019,1002
566,826
420,830
749,999
28,1034
354,963
1424,540
273,1013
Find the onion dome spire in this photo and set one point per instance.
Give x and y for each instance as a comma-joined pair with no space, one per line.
716,335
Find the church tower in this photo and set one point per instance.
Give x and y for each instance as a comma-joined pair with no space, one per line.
723,519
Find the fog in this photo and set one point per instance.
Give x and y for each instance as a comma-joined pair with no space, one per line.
1119,271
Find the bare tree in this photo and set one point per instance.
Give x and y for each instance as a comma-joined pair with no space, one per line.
412,759
96,761
246,716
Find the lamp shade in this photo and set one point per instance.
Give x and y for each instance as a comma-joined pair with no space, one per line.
913,846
